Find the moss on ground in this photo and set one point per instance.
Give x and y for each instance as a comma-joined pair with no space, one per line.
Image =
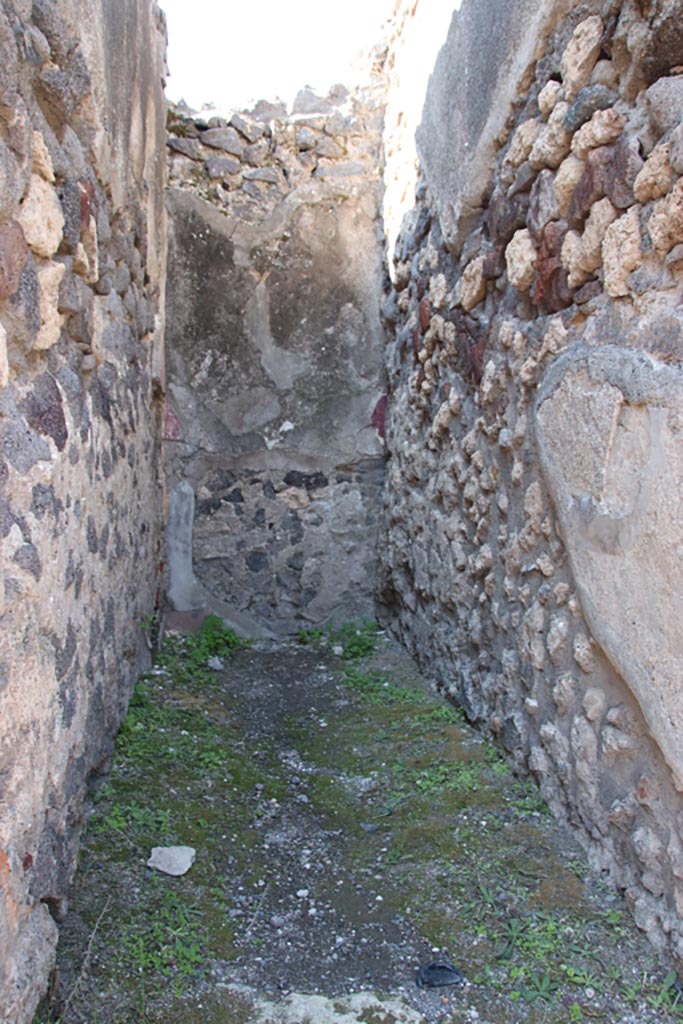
464,852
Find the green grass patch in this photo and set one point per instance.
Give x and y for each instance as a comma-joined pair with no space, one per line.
374,688
186,658
164,939
357,639
183,773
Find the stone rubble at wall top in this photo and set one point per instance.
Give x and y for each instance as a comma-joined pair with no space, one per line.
532,512
258,157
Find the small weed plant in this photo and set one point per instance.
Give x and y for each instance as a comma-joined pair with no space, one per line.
374,688
539,988
311,637
410,790
356,639
177,741
186,658
166,944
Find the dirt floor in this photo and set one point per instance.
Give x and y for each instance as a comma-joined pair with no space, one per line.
349,829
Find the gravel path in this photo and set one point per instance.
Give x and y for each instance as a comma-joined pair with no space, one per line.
349,828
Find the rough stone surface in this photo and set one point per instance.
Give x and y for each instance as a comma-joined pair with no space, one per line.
522,142
568,175
622,172
547,98
222,166
473,284
607,424
665,224
534,437
621,252
251,130
13,256
590,99
665,104
656,176
489,48
543,204
41,219
275,456
582,255
552,144
604,127
534,344
676,150
580,56
520,257
82,122
191,148
225,139
49,279
12,181
4,364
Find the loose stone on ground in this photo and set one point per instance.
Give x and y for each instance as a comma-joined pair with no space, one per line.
172,860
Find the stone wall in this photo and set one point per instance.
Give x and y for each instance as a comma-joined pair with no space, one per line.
531,551
533,517
413,37
82,250
274,451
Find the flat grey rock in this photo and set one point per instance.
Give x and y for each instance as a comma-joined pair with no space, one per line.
188,147
590,99
269,174
665,103
220,166
172,860
225,139
347,170
305,138
251,130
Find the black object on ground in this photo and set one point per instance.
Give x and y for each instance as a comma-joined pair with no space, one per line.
437,974
676,989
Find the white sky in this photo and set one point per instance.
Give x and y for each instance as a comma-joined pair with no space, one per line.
232,54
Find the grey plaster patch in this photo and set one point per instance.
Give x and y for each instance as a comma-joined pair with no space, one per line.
609,424
245,412
281,366
179,546
274,372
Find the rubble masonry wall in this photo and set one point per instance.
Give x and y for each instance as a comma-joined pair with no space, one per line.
533,528
82,262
